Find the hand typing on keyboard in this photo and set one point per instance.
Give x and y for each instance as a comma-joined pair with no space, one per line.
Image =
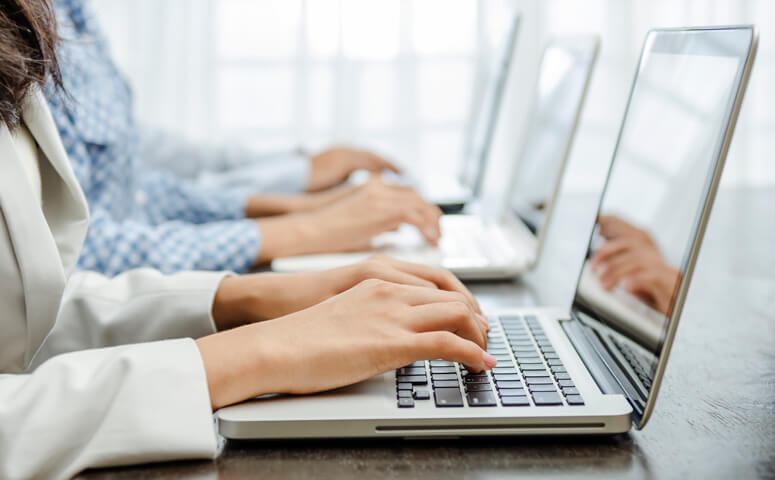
369,329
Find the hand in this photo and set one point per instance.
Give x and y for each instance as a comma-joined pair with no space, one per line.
613,227
350,223
370,329
640,269
333,166
252,298
267,205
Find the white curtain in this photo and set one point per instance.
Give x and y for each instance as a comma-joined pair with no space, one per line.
399,75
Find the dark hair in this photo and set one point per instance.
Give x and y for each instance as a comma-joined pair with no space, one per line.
28,40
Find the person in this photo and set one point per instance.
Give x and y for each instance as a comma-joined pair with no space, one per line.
629,257
98,371
147,218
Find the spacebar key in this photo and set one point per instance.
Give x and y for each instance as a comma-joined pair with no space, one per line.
448,397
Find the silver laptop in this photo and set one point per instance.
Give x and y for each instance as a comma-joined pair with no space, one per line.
487,245
590,370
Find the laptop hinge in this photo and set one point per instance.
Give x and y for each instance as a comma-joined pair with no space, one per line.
603,368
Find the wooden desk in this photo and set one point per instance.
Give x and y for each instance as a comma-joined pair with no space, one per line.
715,417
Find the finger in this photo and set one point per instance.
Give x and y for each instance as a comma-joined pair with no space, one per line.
431,231
416,297
443,279
402,278
614,271
644,285
382,163
607,250
450,347
455,317
421,211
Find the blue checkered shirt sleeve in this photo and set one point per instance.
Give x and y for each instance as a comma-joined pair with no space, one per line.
163,196
112,247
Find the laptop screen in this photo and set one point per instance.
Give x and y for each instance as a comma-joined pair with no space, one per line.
563,77
480,135
669,152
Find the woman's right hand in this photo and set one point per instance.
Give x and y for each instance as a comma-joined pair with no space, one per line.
350,223
370,329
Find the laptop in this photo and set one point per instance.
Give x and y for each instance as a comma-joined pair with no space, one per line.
452,194
485,244
588,370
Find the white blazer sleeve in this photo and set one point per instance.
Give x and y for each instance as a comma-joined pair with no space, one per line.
106,407
137,306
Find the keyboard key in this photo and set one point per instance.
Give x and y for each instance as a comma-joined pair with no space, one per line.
562,376
533,367
506,370
574,400
539,381
444,376
557,368
411,371
515,401
417,364
404,386
448,397
508,384
566,383
481,399
504,358
478,387
512,392
405,403
570,391
550,356
445,384
404,394
542,388
441,363
506,377
413,379
555,362
443,370
475,379
497,351
422,395
536,373
547,398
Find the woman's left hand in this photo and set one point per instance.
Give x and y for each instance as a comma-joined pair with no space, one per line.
251,298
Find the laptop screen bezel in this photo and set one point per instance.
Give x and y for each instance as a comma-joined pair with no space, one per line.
503,73
588,44
578,308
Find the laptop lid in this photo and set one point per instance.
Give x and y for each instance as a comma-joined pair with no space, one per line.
669,155
480,135
563,80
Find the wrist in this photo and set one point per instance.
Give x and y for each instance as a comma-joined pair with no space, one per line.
290,235
233,304
240,364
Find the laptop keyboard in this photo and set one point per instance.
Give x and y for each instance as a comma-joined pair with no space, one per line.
529,373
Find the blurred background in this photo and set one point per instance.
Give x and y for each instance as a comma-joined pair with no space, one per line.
400,76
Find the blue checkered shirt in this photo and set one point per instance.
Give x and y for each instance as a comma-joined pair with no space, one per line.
139,217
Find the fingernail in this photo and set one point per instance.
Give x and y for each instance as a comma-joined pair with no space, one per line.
489,360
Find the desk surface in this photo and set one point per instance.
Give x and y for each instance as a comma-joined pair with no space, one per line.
715,417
